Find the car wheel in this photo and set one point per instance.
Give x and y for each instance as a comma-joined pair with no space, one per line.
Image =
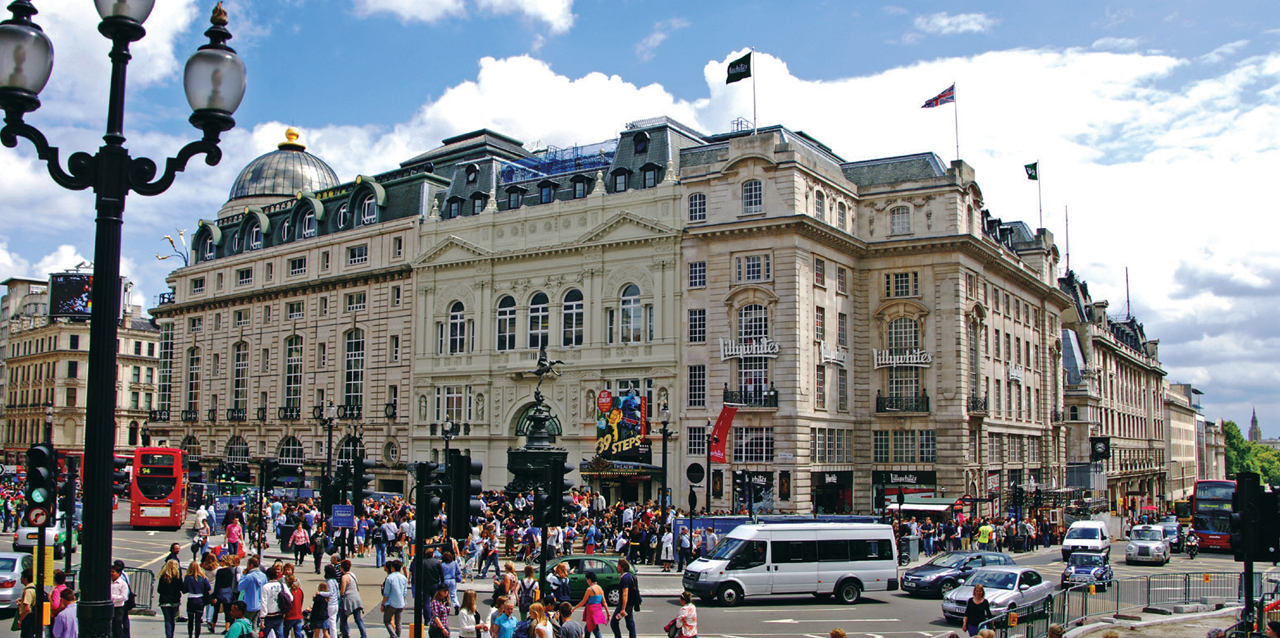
614,596
730,595
946,588
849,592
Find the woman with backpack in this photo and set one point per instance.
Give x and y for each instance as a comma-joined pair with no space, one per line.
350,604
452,574
527,591
559,582
224,593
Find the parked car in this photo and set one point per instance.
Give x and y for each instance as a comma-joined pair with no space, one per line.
1008,587
605,569
1147,544
11,566
1088,536
1088,568
946,571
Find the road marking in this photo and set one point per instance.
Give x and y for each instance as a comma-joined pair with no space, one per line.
792,621
154,561
151,533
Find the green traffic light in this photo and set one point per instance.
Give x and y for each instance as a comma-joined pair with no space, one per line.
39,496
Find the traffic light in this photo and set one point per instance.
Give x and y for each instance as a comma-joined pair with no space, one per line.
119,476
464,495
270,475
427,498
540,508
42,482
742,489
1039,498
362,480
1266,537
67,490
560,498
877,500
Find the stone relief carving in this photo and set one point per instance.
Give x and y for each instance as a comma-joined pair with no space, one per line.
547,227
582,221
480,406
500,232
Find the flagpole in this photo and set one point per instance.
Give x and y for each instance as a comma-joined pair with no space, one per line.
955,110
1039,193
1066,214
755,118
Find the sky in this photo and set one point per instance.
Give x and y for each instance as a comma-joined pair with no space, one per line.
1154,123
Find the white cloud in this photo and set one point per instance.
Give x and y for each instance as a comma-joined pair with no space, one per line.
661,31
1223,52
1115,44
943,23
556,14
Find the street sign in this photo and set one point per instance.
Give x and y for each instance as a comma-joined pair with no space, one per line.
344,516
37,517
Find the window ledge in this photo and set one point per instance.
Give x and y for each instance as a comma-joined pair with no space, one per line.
895,235
747,215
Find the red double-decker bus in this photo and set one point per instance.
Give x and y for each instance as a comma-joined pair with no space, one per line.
158,495
1211,513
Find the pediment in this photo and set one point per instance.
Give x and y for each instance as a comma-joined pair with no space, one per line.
623,227
452,249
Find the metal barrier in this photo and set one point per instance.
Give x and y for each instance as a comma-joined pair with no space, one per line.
142,582
1074,606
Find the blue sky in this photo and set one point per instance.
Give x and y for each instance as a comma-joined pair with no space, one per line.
1157,124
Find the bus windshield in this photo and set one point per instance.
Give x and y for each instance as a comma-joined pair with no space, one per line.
1213,523
1215,492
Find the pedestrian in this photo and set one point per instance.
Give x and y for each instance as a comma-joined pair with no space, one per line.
198,592
539,624
685,547
119,596
627,603
837,633
66,625
333,595
569,628
301,542
277,600
169,592
439,613
350,604
505,621
320,612
233,533
174,550
451,573
976,611
469,617
241,627
687,620
1056,631
293,617
251,589
319,542
593,614
28,621
559,582
527,591
55,595
394,588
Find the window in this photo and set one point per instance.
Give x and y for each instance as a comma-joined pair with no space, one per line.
355,301
752,197
649,176
297,266
904,446
829,445
902,284
579,188
457,328
539,321
71,398
929,446
842,283
344,217
235,241
820,323
619,182
820,206
506,324
842,214
324,260
194,325
900,221
353,385
395,347
244,276
293,372
754,268
357,255
453,403
842,329
697,207
324,306
255,237
996,352
904,337
217,322
397,246
609,321
697,274
193,379
395,295
285,226
197,285
208,249
546,194
642,144
240,376
753,372
631,318
697,325
454,209
73,369
322,355
881,446
309,225
820,387
513,199
698,386
368,210
842,390
819,272
242,317
477,205
752,445
75,342
294,309
572,319
137,373
697,436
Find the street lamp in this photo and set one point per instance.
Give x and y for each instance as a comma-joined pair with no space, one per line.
48,423
664,415
214,83
330,415
448,431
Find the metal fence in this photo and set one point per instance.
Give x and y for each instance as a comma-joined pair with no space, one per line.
142,582
1075,606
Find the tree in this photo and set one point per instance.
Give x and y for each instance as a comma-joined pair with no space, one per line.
1246,456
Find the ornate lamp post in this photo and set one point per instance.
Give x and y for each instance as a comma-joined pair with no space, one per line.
664,415
326,489
214,83
48,423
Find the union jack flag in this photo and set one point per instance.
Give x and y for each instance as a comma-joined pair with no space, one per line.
946,97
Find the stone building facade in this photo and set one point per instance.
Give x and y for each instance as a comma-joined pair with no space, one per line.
1183,420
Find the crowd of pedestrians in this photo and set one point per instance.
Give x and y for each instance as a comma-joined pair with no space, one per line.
985,533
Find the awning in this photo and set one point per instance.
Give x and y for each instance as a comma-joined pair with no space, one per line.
922,507
614,469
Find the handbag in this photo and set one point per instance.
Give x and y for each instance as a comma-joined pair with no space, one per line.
672,629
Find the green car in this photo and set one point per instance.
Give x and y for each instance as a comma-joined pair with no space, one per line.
606,571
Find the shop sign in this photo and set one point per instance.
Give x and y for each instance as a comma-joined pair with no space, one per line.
832,355
993,481
902,358
904,478
1016,373
762,347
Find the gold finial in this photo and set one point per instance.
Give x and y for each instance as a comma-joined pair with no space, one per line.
291,142
291,134
219,17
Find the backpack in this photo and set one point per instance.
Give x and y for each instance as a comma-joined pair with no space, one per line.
283,601
525,596
522,630
379,537
633,599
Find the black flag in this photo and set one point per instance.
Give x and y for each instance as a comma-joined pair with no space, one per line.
739,69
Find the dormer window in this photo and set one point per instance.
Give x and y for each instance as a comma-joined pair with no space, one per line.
255,237
344,217
285,227
368,210
235,241
619,182
454,209
649,177
642,144
477,205
473,174
547,193
513,199
579,189
208,248
309,225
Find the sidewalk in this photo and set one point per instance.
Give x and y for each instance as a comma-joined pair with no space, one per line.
1161,626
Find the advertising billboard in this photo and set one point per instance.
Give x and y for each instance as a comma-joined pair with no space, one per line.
622,427
69,295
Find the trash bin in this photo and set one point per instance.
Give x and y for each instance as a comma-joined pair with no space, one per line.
913,547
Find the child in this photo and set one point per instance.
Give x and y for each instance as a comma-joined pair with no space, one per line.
320,611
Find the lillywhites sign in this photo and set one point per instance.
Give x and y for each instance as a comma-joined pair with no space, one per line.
902,358
763,347
832,355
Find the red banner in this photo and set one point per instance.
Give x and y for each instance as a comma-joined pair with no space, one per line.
720,435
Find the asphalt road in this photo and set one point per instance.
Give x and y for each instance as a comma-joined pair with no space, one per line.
877,614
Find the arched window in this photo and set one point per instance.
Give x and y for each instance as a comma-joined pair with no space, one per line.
353,382
343,217
190,445
193,379
290,452
698,207
351,447
900,221
368,210
539,321
572,319
457,328
235,241
240,376
254,240
904,338
642,143
631,317
820,206
506,324
1075,413
309,225
293,372
752,197
237,450
842,215
133,433
753,372
208,248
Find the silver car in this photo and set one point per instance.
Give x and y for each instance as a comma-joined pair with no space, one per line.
1006,587
1147,544
11,566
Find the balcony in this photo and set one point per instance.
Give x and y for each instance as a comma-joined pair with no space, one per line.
289,414
262,414
212,415
754,397
353,411
166,298
237,414
158,416
389,410
317,411
190,415
894,405
977,405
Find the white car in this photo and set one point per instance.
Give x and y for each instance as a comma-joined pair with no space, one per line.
1006,587
1147,544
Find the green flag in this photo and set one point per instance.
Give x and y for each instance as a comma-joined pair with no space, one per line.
1033,170
739,69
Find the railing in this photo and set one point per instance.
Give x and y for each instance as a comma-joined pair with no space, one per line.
166,298
353,411
918,403
389,410
317,411
212,415
190,415
289,414
755,397
158,416
142,582
978,404
237,414
262,414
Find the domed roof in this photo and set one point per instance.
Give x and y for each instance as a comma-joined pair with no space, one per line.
284,172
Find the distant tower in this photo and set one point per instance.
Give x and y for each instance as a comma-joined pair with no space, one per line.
1255,432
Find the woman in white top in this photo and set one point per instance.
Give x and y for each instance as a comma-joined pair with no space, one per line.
538,622
470,617
668,550
687,620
